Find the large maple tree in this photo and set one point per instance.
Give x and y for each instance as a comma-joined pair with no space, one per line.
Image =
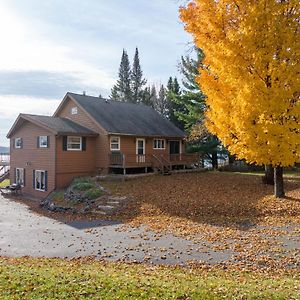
251,76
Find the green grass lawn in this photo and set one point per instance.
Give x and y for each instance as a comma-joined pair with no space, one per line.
4,183
27,278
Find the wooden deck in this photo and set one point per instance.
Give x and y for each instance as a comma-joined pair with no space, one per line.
120,160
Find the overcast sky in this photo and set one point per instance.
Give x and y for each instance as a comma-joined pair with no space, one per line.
50,47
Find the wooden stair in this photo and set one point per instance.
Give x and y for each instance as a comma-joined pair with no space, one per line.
162,164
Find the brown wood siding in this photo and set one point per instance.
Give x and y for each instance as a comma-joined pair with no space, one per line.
102,145
128,147
71,164
30,157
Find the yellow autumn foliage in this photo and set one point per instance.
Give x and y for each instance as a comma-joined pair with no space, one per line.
252,75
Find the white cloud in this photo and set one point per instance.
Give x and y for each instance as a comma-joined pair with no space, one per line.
23,48
12,105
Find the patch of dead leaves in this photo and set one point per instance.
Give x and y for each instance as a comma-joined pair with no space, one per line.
231,211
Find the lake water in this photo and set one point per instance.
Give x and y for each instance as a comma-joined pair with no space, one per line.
4,158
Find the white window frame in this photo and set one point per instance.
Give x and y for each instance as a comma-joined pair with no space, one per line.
156,146
41,145
72,143
17,145
115,143
20,171
74,110
35,180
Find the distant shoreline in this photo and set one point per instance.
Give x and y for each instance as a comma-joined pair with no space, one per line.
4,150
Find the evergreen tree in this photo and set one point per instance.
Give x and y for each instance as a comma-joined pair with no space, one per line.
189,108
191,100
153,96
161,103
137,80
121,90
173,92
147,97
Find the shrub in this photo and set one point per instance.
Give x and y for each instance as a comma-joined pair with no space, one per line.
58,196
82,179
93,193
82,186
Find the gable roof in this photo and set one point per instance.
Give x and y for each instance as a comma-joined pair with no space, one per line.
126,118
56,125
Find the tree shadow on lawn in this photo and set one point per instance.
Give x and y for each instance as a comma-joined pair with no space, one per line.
221,199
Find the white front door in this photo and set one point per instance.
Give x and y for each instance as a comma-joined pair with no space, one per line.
140,150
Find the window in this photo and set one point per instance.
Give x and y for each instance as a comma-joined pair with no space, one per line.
159,144
20,176
43,141
74,143
74,110
114,143
18,143
40,180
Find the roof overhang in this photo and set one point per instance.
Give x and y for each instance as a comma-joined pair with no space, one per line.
22,117
148,136
64,100
77,134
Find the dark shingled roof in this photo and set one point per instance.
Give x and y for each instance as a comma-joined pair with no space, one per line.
59,125
127,118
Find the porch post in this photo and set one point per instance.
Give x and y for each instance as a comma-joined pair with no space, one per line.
124,165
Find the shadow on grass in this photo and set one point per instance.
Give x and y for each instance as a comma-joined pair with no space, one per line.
221,199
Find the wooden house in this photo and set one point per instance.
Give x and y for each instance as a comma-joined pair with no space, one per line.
90,135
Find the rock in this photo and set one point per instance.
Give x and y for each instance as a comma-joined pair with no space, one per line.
117,198
87,208
105,207
113,202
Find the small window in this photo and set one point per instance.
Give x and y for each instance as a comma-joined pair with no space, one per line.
159,144
20,176
43,141
40,180
74,143
18,143
114,143
74,110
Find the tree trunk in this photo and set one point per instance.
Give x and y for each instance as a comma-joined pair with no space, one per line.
268,178
278,179
214,160
231,159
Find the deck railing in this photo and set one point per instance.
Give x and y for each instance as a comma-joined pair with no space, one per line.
142,160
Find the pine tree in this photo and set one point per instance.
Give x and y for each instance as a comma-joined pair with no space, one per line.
153,96
252,77
121,90
189,107
147,98
137,80
173,92
191,99
161,102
